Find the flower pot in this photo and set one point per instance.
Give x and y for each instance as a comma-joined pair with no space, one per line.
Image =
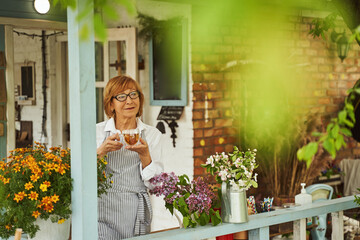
54,231
233,205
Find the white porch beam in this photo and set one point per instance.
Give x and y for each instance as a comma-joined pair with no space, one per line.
82,126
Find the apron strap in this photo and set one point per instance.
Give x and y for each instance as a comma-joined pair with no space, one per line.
144,214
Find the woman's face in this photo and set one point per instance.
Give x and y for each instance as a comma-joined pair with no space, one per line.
127,108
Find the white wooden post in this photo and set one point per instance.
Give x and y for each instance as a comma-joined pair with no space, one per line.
337,225
300,229
259,233
82,125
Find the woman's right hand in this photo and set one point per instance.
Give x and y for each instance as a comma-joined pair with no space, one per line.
110,144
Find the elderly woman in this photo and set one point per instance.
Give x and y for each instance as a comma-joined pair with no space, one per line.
126,211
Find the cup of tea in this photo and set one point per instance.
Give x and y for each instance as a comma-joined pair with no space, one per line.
131,136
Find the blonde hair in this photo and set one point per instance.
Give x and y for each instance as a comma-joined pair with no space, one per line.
115,86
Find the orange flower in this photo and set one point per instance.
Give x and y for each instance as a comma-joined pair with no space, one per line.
46,200
55,198
49,207
35,214
6,180
43,187
29,185
33,195
61,221
34,177
8,227
19,196
47,183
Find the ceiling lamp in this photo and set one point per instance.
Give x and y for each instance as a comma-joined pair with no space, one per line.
42,6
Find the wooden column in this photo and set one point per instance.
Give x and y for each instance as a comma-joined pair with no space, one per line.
300,229
337,225
259,233
82,125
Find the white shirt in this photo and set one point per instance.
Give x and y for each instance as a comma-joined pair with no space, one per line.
150,134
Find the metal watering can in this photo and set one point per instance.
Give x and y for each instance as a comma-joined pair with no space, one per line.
233,204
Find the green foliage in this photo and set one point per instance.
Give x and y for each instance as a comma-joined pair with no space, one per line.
103,11
333,139
357,198
320,26
37,183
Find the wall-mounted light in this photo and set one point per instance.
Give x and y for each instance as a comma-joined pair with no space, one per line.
42,6
342,43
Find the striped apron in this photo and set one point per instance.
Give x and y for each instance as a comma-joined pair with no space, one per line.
125,211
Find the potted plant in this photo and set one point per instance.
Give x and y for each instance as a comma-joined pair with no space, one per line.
36,184
195,199
235,171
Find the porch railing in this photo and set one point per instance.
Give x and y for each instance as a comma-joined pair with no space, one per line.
258,224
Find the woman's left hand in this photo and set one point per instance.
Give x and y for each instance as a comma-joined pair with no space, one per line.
143,150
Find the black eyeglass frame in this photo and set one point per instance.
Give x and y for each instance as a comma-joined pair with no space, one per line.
127,95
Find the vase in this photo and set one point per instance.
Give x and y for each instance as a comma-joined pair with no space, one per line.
49,230
233,204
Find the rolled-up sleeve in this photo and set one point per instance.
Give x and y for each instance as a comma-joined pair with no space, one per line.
153,139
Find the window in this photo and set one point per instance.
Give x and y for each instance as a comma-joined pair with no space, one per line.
25,83
168,65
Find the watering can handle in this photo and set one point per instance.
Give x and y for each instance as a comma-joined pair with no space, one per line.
225,197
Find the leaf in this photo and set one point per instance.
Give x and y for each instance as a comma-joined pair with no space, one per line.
110,12
99,28
346,132
84,32
170,207
300,153
316,134
348,123
329,126
238,175
339,142
186,221
342,115
352,116
329,146
129,5
310,150
254,184
335,131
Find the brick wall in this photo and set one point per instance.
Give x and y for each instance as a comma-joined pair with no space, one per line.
326,78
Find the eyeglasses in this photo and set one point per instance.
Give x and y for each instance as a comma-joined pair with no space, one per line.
123,96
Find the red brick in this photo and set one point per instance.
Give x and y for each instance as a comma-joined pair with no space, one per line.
213,132
213,86
331,109
214,95
196,77
213,76
222,104
332,93
230,131
209,151
324,101
199,170
223,122
343,92
198,133
198,115
338,68
198,96
219,149
203,142
201,104
220,140
354,76
356,152
198,161
202,124
229,148
349,61
197,86
213,114
338,100
351,69
350,84
198,152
